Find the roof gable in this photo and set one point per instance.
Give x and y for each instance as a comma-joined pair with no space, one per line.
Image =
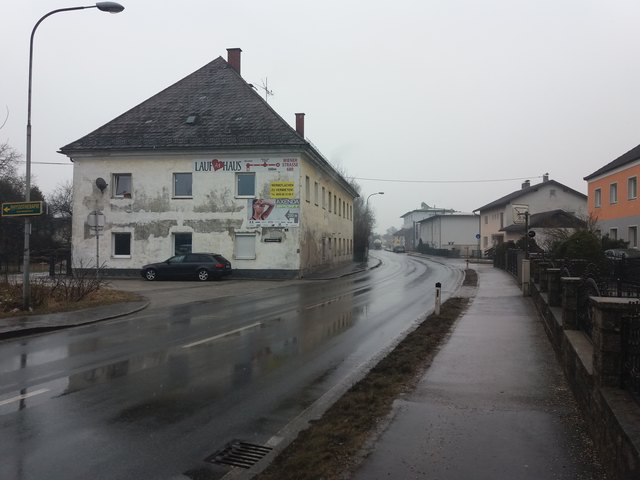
211,108
631,156
507,199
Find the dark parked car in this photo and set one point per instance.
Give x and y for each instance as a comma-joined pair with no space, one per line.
619,253
200,266
398,249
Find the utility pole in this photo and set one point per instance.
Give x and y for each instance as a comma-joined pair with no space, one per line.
526,234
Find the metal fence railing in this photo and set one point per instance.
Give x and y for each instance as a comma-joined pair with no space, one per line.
631,352
51,263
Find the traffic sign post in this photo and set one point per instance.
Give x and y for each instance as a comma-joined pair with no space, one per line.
95,220
21,209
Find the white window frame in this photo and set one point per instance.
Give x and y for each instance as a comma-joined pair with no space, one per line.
237,179
632,188
633,237
613,233
173,242
597,198
324,198
115,182
243,240
113,245
175,194
307,188
613,193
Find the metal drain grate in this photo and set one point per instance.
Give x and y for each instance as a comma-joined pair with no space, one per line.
239,454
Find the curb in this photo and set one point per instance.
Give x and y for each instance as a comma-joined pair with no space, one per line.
49,328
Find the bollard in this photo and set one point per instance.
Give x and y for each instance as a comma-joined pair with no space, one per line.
438,287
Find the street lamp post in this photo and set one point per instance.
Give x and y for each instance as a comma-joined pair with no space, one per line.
110,7
366,209
377,193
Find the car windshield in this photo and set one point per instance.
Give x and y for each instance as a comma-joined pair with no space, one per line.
176,259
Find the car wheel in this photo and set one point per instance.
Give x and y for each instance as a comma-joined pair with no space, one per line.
203,275
150,274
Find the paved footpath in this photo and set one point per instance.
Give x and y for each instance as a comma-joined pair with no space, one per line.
493,405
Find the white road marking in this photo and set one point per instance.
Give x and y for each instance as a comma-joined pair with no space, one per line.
226,334
326,302
23,396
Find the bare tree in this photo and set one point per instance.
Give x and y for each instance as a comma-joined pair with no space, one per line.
60,202
9,159
559,235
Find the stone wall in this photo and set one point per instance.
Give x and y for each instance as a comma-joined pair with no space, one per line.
593,369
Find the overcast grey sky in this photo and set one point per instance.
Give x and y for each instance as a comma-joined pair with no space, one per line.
431,96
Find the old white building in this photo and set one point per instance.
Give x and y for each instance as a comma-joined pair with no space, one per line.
207,165
546,196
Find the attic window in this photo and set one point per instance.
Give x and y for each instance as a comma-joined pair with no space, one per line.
191,120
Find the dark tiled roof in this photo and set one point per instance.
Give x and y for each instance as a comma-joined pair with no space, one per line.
211,108
523,191
630,156
551,219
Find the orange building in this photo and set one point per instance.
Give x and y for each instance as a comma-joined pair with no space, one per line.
613,197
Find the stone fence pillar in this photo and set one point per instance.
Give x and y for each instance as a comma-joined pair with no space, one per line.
544,282
607,338
535,270
570,287
554,287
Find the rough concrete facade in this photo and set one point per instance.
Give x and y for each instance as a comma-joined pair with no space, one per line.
311,235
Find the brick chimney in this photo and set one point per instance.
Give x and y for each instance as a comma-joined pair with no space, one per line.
233,58
526,184
545,177
300,124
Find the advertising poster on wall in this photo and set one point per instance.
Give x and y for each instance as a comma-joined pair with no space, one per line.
273,212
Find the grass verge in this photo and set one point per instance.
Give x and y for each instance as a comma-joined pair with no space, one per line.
331,447
103,296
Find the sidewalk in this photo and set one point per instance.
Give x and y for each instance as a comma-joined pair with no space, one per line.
493,405
29,324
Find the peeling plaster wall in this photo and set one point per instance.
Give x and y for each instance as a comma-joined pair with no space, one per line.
326,236
152,215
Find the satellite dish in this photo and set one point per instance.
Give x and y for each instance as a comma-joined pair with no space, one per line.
101,184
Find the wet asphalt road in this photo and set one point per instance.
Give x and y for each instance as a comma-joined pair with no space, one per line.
153,394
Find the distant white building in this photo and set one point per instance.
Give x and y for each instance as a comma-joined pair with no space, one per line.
453,231
412,218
